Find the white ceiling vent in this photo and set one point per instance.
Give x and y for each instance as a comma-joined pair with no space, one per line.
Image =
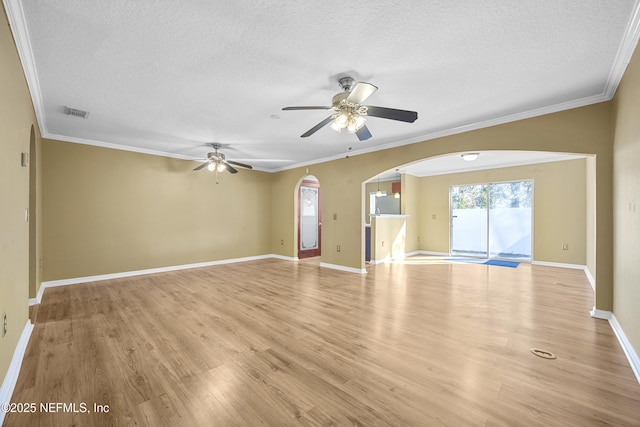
77,113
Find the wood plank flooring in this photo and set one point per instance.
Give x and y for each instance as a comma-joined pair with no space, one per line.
419,343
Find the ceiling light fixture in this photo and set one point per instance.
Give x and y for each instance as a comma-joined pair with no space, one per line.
378,193
348,118
470,157
397,193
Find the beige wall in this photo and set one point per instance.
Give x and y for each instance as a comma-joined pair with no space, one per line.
590,232
35,207
584,130
626,190
559,214
388,237
110,211
16,120
411,206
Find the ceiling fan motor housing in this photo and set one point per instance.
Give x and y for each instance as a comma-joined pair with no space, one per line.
218,157
339,99
346,83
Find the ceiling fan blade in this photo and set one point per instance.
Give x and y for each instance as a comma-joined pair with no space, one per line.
242,165
230,168
317,127
360,92
310,107
202,165
392,113
363,134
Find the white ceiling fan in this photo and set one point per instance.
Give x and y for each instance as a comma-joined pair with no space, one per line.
217,162
350,114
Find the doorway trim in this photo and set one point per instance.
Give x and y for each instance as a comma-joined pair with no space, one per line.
306,183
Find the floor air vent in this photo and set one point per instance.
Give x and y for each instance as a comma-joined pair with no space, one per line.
543,353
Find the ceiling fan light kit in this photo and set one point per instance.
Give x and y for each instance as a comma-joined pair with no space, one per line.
217,162
350,113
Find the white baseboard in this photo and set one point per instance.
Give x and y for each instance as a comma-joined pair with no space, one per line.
432,253
11,378
284,258
101,277
628,349
559,264
406,255
343,268
428,253
590,278
386,260
38,298
412,253
600,314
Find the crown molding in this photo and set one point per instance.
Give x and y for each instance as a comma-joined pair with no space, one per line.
129,148
569,105
113,146
17,22
625,52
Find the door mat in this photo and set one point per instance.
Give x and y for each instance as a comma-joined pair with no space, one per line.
512,264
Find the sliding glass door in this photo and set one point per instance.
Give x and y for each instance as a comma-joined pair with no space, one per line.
469,220
492,220
510,205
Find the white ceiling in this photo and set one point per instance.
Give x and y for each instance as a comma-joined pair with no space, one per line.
165,77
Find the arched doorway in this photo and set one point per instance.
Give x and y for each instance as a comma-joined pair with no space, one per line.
309,218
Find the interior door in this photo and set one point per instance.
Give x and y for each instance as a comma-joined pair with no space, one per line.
309,222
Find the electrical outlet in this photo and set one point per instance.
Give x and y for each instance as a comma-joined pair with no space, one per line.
281,242
433,216
383,243
418,238
335,216
565,246
338,248
4,324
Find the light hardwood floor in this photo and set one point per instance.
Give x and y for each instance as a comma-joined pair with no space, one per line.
419,343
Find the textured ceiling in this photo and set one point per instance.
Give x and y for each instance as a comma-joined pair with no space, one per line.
168,76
